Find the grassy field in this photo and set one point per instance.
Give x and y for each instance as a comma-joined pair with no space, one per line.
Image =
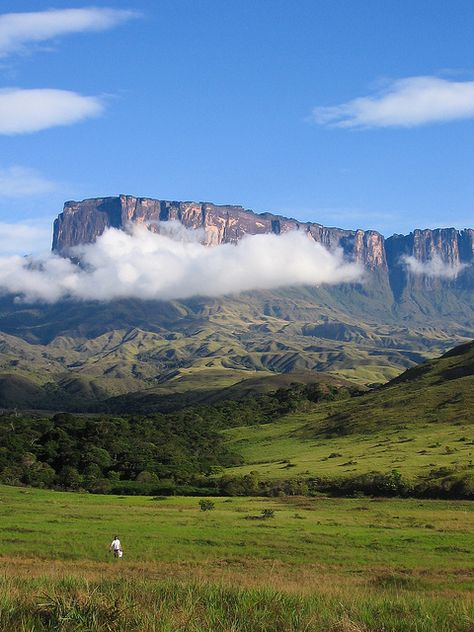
284,449
421,421
343,565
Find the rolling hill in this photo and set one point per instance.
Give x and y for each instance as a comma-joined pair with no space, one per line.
420,422
264,435
129,346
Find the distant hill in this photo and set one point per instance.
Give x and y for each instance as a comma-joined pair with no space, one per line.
79,394
127,345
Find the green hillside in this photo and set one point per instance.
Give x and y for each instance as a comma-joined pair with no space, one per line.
129,345
420,422
412,436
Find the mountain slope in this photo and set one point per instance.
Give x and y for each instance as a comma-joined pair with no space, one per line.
367,332
440,391
132,345
421,421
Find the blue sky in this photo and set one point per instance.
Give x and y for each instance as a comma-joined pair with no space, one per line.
249,102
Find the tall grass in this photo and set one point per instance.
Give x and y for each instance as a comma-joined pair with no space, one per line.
166,606
321,564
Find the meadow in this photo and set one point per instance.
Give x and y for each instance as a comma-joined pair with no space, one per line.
419,423
339,565
293,446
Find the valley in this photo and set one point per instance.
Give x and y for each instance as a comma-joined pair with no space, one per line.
236,316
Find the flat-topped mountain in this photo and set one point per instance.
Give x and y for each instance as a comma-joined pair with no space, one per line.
368,332
82,222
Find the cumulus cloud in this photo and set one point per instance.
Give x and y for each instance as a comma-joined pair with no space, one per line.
18,182
403,103
435,267
19,30
145,265
24,237
24,111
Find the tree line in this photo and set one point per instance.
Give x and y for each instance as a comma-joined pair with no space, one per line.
133,453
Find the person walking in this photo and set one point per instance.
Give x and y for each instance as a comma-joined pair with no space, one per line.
116,547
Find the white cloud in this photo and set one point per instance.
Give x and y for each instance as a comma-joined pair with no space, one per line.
404,103
22,237
435,267
19,182
18,30
23,111
142,264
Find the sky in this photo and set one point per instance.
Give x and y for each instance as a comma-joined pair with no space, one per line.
351,114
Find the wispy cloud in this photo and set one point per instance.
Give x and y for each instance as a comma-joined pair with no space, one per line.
24,111
24,237
20,30
406,102
19,182
145,265
435,267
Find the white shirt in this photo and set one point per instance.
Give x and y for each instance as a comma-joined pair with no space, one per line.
116,546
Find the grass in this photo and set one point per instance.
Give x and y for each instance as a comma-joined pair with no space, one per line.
340,565
421,421
341,533
71,604
281,450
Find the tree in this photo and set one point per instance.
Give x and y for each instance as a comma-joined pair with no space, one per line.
70,478
147,477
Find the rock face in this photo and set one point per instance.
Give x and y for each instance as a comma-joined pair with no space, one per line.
82,222
453,249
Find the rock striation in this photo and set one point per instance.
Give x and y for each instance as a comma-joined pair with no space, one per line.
82,222
452,248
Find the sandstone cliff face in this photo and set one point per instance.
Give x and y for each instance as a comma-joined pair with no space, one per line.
424,245
82,222
466,245
452,248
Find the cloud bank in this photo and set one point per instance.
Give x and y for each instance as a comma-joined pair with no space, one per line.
145,265
24,111
406,102
435,267
18,30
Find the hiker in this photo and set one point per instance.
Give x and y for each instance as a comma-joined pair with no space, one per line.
116,547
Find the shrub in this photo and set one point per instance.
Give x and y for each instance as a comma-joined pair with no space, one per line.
268,513
206,505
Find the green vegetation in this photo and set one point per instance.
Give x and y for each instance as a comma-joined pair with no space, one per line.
134,455
135,605
412,437
206,505
280,450
160,453
344,565
84,353
420,424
